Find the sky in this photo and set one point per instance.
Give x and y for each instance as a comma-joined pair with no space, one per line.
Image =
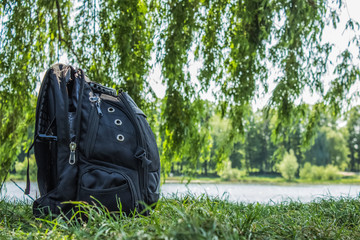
337,36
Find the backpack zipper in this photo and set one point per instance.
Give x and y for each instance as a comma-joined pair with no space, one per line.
72,158
73,144
96,100
93,123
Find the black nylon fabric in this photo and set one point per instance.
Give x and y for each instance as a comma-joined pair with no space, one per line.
98,153
152,174
65,177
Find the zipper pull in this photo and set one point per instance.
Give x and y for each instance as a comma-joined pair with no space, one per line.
97,104
96,99
72,153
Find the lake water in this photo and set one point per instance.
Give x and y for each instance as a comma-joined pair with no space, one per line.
247,193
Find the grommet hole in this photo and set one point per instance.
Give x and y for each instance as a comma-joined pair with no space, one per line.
120,137
118,122
111,109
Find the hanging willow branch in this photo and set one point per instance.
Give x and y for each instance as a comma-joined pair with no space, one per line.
68,42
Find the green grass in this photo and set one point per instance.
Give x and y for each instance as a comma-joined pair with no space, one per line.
194,218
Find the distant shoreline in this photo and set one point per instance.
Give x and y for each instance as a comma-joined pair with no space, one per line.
258,180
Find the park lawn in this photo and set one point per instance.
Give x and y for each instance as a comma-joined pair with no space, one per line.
262,180
193,218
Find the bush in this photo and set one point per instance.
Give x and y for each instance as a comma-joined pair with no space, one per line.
317,173
331,173
289,166
305,172
232,174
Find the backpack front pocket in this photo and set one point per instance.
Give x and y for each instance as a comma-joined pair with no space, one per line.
107,187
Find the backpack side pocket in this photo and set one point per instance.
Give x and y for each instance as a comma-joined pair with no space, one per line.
152,165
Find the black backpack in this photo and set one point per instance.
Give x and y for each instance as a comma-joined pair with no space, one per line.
92,144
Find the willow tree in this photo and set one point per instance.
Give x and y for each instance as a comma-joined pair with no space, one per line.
239,44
